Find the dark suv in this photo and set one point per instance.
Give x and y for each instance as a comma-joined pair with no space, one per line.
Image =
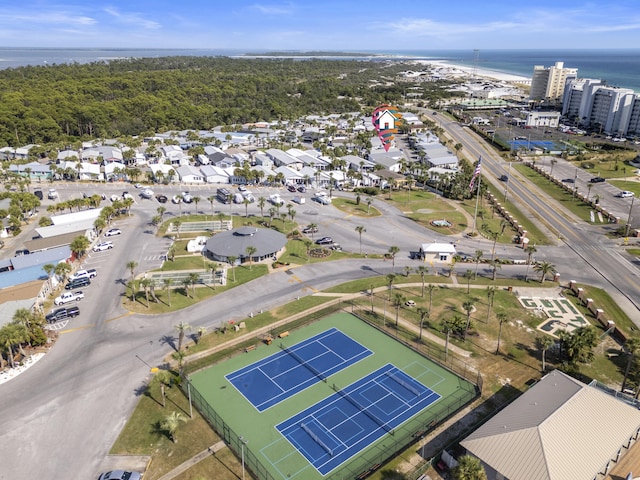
597,180
62,313
77,283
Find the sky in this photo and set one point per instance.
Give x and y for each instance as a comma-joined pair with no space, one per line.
343,25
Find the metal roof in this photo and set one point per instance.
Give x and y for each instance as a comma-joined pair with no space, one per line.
560,429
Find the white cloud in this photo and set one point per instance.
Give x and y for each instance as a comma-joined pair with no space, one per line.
47,18
285,9
132,19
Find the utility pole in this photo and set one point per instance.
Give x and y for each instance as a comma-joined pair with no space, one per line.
626,233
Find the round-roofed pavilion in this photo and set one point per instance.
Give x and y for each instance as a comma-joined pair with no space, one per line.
233,243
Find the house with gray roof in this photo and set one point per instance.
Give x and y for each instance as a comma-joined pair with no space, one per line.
35,170
213,174
281,158
189,174
559,429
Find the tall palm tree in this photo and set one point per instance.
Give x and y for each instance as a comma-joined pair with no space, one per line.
477,257
632,346
250,250
430,289
360,229
62,270
390,279
49,268
181,328
491,293
424,313
530,251
196,200
232,261
261,203
170,424
468,307
145,283
212,199
393,251
544,269
422,271
160,211
131,266
167,282
469,468
176,224
468,275
164,378
193,278
501,316
495,265
543,342
494,236
398,300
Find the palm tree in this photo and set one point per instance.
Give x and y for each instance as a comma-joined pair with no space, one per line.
495,264
176,224
313,227
164,378
179,357
212,199
49,268
61,270
195,200
250,250
398,300
494,236
145,283
422,271
261,203
132,285
393,251
79,246
193,278
390,279
181,328
160,211
468,275
430,289
530,251
232,261
477,257
632,346
131,266
468,307
170,424
544,268
469,468
491,293
307,245
360,229
424,313
501,316
167,282
200,333
543,342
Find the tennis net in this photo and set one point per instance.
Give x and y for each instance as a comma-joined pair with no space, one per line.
405,384
304,363
316,439
363,409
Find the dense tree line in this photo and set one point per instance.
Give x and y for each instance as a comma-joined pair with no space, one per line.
46,104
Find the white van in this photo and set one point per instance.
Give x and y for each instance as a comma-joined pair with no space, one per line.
53,194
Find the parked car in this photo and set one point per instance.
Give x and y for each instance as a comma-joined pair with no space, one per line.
503,178
597,180
77,283
161,198
176,199
120,475
62,313
67,297
103,246
146,193
249,196
309,229
302,189
242,188
90,273
291,188
568,180
410,303
112,231
186,197
38,194
127,195
324,241
21,252
625,194
52,194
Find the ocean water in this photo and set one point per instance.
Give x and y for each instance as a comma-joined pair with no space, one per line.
619,67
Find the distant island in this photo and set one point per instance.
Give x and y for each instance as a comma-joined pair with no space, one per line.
310,54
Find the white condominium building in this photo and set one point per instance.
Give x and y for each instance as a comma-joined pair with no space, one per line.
548,83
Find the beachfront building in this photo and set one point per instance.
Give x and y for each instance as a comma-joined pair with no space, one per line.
547,83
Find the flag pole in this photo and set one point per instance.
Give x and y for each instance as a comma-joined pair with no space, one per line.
475,215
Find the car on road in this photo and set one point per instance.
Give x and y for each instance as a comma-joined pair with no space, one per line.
186,197
67,297
242,188
146,193
325,241
62,313
52,194
138,185
161,198
568,180
410,303
90,273
503,178
103,246
127,196
120,475
112,231
176,199
625,194
302,189
310,229
291,188
597,180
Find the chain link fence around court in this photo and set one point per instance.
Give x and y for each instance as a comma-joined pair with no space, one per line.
179,278
374,457
212,226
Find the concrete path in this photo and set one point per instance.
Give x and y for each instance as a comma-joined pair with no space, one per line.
184,466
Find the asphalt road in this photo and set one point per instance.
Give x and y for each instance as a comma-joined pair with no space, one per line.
63,414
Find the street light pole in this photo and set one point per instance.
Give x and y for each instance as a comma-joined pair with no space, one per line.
243,442
626,233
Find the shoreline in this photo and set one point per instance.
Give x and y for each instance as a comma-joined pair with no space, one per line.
462,70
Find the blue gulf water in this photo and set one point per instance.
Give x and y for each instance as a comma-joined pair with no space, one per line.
619,67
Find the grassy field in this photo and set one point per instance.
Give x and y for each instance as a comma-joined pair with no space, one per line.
350,207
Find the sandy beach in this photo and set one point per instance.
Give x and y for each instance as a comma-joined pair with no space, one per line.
446,68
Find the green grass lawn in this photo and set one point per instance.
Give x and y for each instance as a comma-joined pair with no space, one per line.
350,206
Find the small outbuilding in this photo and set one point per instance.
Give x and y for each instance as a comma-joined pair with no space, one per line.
234,243
437,252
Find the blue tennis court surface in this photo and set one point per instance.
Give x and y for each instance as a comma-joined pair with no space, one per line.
337,428
280,376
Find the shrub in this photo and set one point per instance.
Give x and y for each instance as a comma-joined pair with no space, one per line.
367,190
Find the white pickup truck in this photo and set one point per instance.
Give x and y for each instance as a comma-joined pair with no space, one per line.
67,297
276,199
91,273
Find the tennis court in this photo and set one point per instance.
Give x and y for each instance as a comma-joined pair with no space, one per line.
348,421
273,379
543,144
